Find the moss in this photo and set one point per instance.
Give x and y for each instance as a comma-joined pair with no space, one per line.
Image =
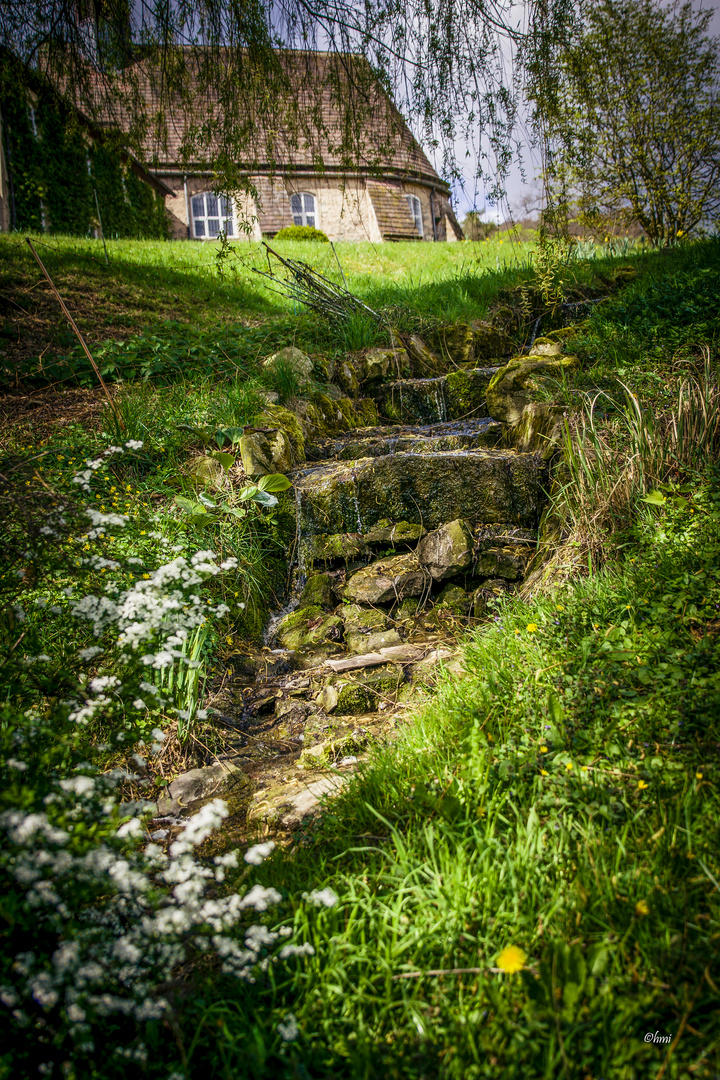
318,591
278,417
355,699
309,627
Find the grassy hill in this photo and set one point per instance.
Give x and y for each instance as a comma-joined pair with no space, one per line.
525,883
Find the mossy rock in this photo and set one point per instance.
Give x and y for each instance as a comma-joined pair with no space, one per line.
540,430
465,391
354,699
276,416
387,580
265,452
454,600
424,489
388,532
333,548
509,390
318,591
308,627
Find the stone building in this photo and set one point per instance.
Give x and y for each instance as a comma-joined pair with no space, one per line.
385,189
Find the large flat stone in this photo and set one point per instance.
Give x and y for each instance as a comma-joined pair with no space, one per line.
386,581
409,439
423,489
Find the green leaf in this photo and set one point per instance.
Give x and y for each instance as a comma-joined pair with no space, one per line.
655,498
233,435
274,482
236,512
248,493
264,498
226,460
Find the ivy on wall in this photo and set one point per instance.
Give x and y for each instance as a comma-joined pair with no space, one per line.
55,165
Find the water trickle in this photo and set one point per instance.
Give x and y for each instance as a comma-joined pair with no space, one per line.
300,547
353,488
535,329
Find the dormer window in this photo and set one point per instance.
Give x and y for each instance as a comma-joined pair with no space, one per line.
416,211
211,215
303,210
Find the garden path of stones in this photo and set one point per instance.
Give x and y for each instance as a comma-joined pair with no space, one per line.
406,534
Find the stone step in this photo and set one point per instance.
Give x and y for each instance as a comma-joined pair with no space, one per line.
408,439
454,396
423,489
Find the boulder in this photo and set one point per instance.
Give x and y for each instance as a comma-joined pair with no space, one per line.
545,347
309,627
509,390
465,391
486,596
380,364
197,786
423,359
412,401
401,532
287,805
490,341
387,580
458,341
296,361
503,562
347,377
539,430
447,550
453,600
265,452
318,591
366,629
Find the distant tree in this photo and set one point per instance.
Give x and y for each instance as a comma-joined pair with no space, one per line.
632,120
475,228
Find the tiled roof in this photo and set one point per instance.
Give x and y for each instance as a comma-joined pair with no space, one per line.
325,138
392,211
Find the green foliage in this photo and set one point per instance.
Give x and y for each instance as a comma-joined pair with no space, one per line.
56,167
302,232
634,118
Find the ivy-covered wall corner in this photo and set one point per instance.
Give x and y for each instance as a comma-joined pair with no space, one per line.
56,167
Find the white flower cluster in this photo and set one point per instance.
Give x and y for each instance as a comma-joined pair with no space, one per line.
151,911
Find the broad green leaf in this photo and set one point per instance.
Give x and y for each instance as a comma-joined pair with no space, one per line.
655,498
264,498
248,493
233,435
236,512
226,460
207,501
274,482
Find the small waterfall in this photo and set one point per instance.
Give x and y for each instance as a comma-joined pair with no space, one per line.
353,488
299,546
440,401
535,329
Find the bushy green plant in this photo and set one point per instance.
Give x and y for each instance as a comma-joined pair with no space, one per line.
302,232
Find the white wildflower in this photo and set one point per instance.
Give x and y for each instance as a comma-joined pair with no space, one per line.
321,897
257,854
288,1028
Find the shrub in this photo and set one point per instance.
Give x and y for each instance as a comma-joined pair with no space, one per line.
302,232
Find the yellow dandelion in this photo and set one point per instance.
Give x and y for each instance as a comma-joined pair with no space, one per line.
559,607
531,627
583,768
544,772
511,960
642,785
568,765
698,776
543,749
642,909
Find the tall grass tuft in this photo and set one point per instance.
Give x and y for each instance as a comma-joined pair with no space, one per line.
610,465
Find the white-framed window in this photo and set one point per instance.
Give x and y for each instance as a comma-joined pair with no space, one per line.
416,211
303,207
211,215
